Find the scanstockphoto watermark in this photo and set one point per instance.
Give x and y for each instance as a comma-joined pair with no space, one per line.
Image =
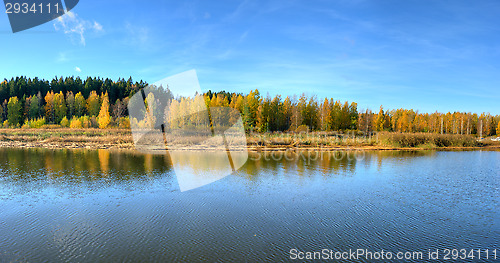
309,156
366,254
26,14
354,254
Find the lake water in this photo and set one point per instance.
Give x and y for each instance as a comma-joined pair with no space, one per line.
101,206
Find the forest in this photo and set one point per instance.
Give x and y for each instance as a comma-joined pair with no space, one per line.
102,103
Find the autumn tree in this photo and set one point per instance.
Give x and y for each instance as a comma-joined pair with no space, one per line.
183,110
238,103
3,110
498,128
420,123
263,112
14,111
172,115
25,108
277,114
287,114
380,121
34,107
70,103
250,108
310,114
104,118
403,122
491,125
365,122
93,105
59,107
353,115
118,109
234,113
325,115
345,118
79,105
335,115
49,106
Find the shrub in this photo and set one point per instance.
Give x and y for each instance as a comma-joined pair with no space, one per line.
302,128
39,122
34,123
124,123
426,140
64,122
75,123
85,121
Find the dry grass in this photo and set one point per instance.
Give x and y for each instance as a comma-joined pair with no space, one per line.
67,135
313,139
122,138
426,140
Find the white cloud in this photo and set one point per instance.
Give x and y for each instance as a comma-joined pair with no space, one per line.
77,69
73,25
97,27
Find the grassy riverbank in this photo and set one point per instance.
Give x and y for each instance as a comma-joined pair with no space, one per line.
122,139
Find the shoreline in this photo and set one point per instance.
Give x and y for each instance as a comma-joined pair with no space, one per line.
121,139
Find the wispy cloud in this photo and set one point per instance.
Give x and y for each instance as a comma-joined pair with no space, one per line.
254,8
62,57
77,69
97,27
72,25
138,36
239,10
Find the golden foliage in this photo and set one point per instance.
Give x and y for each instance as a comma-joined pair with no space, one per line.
104,118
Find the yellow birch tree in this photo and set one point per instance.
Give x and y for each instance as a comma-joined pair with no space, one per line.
104,118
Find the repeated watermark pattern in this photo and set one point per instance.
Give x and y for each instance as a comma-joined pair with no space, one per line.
171,117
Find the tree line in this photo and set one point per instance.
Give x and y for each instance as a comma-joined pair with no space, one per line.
23,87
308,113
32,103
96,102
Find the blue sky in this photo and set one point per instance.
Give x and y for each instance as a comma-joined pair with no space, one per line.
425,55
